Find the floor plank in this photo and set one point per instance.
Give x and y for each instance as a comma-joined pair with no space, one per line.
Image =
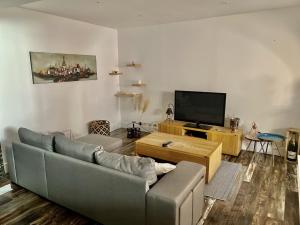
292,208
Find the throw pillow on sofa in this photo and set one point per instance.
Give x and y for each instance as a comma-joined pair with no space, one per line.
35,139
135,165
75,149
163,168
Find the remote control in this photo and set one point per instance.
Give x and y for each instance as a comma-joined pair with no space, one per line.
166,144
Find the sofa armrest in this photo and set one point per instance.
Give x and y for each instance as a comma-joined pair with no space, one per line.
178,197
10,159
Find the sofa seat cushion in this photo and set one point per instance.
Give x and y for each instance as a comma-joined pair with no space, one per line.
109,143
35,139
135,165
75,149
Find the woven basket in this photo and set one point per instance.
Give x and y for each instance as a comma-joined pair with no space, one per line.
101,127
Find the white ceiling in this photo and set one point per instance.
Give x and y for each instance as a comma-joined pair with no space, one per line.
132,13
12,3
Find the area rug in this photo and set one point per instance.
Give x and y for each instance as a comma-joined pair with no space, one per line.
226,181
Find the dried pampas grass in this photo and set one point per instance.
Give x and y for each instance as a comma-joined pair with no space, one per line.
143,105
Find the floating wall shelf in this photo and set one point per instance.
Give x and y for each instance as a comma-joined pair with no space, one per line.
133,64
127,94
138,85
115,73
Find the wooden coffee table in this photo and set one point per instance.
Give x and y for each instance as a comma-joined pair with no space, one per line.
186,148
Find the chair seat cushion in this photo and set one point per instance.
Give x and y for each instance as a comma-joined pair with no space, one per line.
109,143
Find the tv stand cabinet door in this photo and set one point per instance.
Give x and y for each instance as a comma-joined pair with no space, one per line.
170,128
231,143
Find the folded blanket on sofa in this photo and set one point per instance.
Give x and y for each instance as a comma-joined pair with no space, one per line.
138,166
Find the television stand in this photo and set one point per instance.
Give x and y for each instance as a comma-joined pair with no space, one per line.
231,141
198,125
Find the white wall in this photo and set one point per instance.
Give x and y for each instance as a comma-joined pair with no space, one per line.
254,58
59,106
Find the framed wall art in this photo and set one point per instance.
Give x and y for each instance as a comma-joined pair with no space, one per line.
58,67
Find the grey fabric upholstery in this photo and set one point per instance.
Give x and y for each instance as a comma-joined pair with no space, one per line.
30,168
185,212
11,163
198,203
105,195
135,165
36,139
109,143
77,150
167,196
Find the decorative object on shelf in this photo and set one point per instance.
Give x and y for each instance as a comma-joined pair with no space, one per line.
133,64
101,127
234,123
292,146
115,72
133,132
170,111
57,67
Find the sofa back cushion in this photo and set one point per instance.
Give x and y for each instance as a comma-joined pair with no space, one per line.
135,165
75,149
35,139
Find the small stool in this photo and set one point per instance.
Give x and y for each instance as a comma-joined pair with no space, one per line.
101,127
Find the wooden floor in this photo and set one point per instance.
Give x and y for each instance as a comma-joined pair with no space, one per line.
269,198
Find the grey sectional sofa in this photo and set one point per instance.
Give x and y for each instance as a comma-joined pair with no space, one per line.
106,195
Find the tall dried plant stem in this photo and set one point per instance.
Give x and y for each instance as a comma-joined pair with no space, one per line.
143,107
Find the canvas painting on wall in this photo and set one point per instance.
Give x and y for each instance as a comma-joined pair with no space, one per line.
57,67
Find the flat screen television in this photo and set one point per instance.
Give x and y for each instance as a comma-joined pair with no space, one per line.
200,107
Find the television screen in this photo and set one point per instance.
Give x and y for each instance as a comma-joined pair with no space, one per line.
200,107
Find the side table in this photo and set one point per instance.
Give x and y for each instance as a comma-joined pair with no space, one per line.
255,140
271,139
